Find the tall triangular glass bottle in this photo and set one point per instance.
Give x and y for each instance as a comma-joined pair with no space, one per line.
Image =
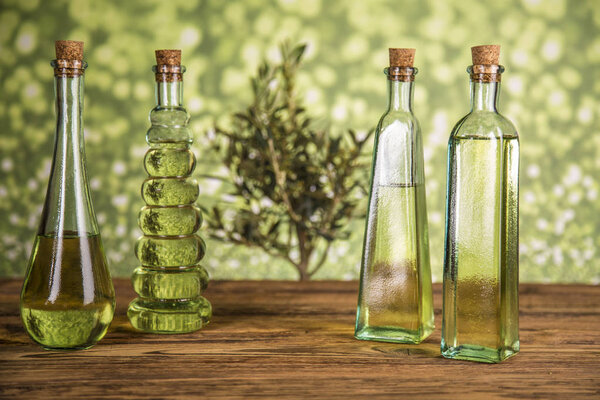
481,264
170,280
395,301
68,300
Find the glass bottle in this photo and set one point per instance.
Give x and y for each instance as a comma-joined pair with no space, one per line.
481,265
68,300
170,280
395,301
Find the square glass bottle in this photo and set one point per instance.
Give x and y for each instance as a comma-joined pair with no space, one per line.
481,264
395,300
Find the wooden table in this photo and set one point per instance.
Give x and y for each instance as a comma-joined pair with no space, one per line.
294,340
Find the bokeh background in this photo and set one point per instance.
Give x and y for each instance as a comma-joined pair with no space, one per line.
550,90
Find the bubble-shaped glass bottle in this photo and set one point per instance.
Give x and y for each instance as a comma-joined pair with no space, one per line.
170,281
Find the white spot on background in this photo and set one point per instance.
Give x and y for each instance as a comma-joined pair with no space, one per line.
574,197
210,186
551,50
339,112
195,104
584,115
312,96
542,224
26,42
515,85
32,90
587,181
119,200
557,98
95,183
529,197
120,230
573,176
569,214
533,171
13,219
519,57
7,165
558,190
190,37
119,168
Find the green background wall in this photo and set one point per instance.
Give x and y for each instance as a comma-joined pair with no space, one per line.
551,50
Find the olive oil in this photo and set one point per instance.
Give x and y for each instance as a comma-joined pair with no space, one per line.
481,277
481,265
396,304
67,301
395,301
169,280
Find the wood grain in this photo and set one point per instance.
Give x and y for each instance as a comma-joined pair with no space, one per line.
281,340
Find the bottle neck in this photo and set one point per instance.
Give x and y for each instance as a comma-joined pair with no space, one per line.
169,94
484,96
68,208
400,95
69,107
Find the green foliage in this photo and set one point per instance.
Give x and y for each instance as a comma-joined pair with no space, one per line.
298,186
549,90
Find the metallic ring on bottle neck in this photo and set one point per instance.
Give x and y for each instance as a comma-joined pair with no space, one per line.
403,74
485,73
168,73
68,68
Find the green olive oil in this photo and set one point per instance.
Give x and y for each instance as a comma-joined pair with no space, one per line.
169,280
67,300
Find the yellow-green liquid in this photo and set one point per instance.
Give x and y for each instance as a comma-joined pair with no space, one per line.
67,301
481,272
395,301
170,281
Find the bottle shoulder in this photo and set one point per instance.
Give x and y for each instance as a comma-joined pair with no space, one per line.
398,120
169,125
484,124
169,116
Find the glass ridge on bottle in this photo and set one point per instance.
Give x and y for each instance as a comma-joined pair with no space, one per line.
170,280
481,265
395,301
68,300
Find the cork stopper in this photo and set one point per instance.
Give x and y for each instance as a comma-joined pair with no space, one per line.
69,50
402,57
168,57
486,55
69,58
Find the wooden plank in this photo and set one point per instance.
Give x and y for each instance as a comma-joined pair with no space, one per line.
294,340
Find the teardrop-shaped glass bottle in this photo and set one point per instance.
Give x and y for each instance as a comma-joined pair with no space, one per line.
481,264
68,300
395,301
170,280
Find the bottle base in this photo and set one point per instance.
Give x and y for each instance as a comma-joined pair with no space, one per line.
169,317
64,330
76,348
476,353
392,334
